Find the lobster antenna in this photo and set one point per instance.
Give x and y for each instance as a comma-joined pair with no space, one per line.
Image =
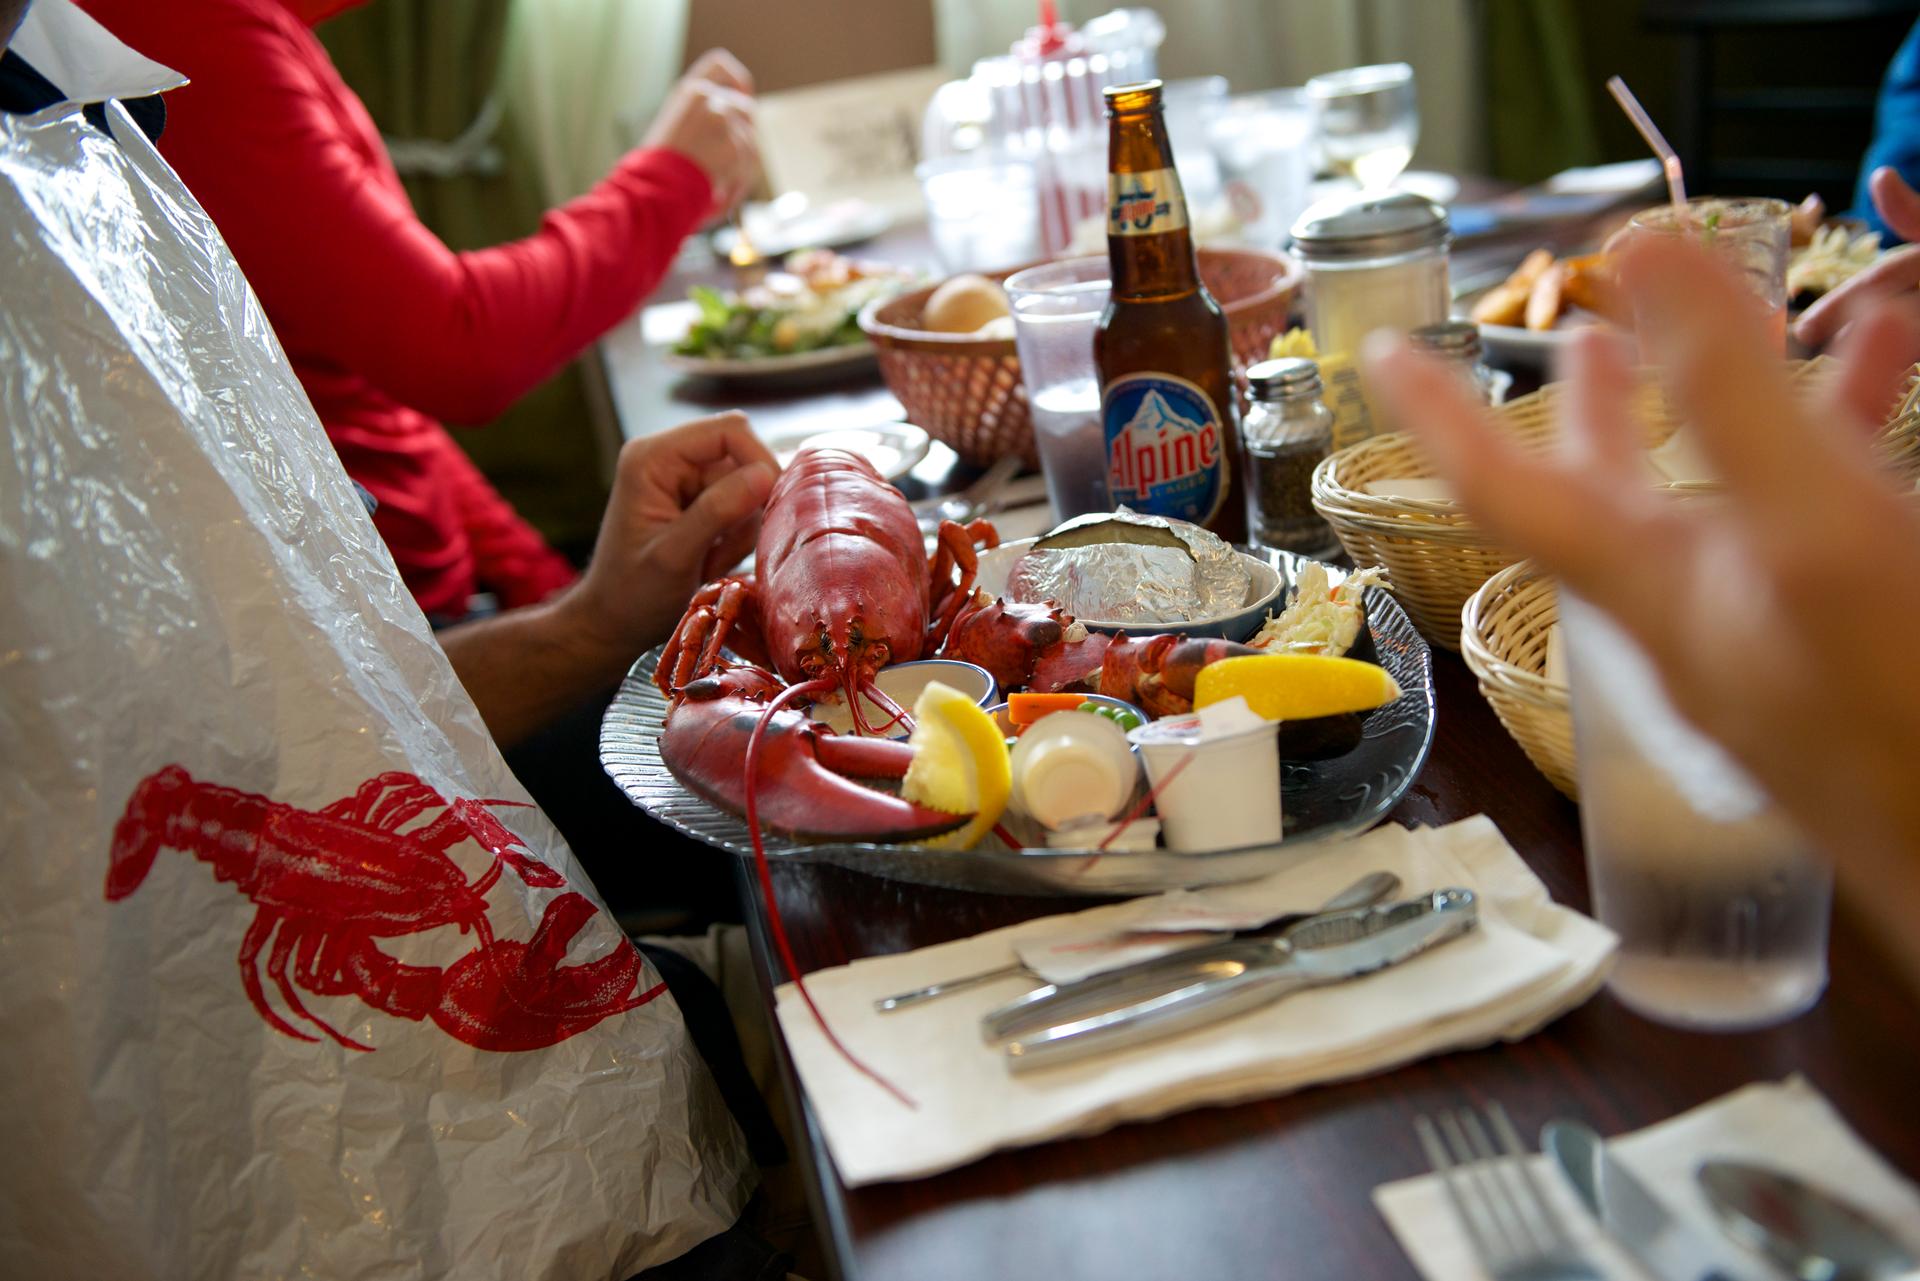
804,689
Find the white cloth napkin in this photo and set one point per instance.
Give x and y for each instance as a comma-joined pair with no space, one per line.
1530,961
1788,1125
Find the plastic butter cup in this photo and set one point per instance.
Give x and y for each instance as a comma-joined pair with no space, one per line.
1229,794
1072,767
1136,837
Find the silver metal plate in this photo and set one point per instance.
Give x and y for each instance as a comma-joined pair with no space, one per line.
1323,800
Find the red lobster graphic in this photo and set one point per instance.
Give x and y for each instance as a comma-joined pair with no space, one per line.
330,882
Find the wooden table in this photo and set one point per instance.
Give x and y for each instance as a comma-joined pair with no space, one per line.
1281,1188
1278,1188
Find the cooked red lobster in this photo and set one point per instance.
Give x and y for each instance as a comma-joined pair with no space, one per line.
842,588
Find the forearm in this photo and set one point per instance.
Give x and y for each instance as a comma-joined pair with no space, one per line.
527,667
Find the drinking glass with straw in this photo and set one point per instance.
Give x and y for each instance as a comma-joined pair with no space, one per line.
1752,235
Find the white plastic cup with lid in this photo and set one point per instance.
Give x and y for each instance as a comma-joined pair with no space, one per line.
1226,791
1072,767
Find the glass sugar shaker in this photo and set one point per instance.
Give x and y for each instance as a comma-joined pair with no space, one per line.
1287,430
1458,343
1373,261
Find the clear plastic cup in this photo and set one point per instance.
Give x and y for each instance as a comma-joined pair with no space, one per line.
1056,308
1226,796
1720,904
1753,235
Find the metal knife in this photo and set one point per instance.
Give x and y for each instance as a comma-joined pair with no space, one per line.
1627,1211
1327,949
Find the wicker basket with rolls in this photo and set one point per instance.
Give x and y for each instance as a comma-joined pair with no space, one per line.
965,390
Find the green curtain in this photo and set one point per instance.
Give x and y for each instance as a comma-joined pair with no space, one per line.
1539,91
424,69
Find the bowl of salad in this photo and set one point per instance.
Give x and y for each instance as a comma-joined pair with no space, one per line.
804,316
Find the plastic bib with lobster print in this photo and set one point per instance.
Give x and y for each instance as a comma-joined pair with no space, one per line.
1145,204
1166,448
299,981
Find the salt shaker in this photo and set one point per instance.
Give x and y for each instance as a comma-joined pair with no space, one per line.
1287,430
1458,343
1373,261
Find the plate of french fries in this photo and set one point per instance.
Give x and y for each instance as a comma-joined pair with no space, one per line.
1525,317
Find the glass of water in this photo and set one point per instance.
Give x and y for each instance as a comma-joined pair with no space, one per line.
1721,905
983,210
1056,308
1368,121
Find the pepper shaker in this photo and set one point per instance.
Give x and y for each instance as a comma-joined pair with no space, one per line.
1458,343
1287,430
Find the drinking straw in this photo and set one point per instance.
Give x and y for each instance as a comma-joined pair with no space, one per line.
1669,162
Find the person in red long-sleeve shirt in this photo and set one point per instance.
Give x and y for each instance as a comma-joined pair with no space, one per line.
388,329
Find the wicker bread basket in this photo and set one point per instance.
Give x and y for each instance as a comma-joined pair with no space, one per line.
1503,637
966,391
1437,556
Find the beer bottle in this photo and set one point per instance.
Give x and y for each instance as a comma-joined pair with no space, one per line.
1167,401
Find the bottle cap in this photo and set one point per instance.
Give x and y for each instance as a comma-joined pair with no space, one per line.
1287,377
1363,225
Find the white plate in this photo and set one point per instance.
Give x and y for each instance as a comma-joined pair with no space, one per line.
792,222
1517,347
894,449
847,357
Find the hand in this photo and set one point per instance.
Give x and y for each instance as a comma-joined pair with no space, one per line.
1898,272
685,508
1756,611
708,118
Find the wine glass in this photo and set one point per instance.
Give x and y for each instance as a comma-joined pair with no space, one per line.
1368,121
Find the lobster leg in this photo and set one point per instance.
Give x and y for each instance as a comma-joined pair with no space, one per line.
283,949
250,946
722,613
954,552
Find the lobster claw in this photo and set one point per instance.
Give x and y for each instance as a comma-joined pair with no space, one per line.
805,780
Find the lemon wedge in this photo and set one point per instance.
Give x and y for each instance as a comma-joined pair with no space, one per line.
960,763
1296,687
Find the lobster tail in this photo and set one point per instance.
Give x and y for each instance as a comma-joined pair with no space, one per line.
142,829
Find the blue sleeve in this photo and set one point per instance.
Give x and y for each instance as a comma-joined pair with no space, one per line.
1896,128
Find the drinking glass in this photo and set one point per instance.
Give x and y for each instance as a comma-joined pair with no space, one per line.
982,209
1264,142
1368,121
1721,905
1754,235
1056,308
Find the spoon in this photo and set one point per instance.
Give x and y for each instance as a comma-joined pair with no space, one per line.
1365,892
1809,1232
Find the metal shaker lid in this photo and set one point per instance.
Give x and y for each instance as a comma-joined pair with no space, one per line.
1369,225
1279,379
1453,339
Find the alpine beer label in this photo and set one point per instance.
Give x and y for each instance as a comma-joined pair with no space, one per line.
1166,449
1145,204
